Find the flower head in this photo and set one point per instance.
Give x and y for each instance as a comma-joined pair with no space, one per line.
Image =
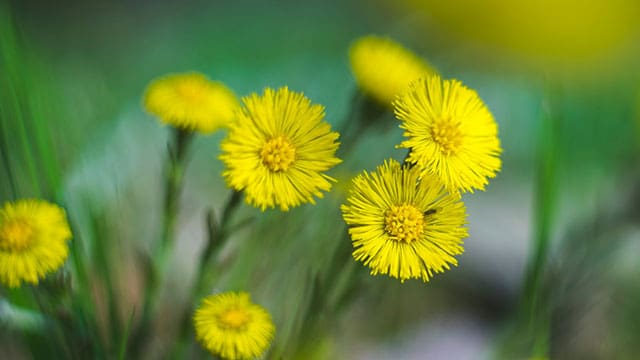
190,101
277,149
33,241
402,224
451,133
383,68
231,326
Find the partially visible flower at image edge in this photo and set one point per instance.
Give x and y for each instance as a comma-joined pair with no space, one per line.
191,101
450,133
383,68
277,150
231,326
33,241
404,225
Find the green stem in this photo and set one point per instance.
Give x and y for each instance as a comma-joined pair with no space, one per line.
59,321
4,153
174,173
12,61
82,296
122,348
173,186
362,114
218,234
346,127
101,258
534,304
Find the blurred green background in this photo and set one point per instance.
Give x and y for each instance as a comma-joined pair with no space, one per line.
72,74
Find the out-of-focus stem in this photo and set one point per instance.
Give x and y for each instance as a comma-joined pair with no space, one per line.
173,186
4,155
534,304
218,232
174,172
363,113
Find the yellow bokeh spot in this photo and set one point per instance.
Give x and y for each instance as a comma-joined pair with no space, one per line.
404,223
447,134
234,319
16,235
384,68
191,101
278,154
563,35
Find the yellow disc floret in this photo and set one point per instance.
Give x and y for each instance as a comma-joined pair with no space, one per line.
446,133
278,153
234,318
404,223
16,235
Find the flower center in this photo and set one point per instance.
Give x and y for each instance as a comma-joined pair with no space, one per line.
15,235
190,93
278,154
234,319
447,134
404,223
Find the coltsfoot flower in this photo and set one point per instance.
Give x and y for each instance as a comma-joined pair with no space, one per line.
384,68
278,148
33,241
404,225
191,101
231,326
450,133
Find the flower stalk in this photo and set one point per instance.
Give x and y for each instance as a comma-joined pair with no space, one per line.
174,174
534,302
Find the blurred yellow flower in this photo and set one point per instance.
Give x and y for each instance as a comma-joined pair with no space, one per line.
278,148
190,101
451,133
33,241
549,32
383,68
231,326
403,225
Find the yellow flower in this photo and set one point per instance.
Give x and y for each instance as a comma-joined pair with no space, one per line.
33,241
403,225
582,34
278,148
451,133
231,326
383,68
191,101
